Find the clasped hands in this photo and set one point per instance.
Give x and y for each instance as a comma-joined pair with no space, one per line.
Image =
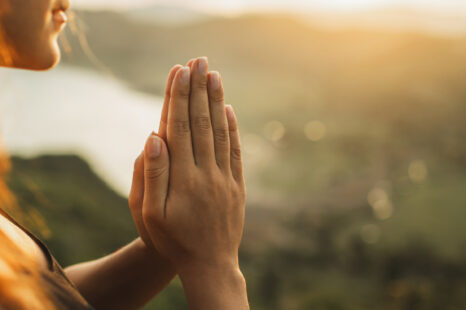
188,194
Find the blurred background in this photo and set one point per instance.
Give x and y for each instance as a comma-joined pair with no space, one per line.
353,122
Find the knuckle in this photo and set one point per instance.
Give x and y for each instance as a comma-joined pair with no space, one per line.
200,83
182,93
149,215
217,97
191,185
236,153
203,123
181,128
216,179
232,127
221,135
154,173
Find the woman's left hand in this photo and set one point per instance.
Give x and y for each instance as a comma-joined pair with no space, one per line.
136,196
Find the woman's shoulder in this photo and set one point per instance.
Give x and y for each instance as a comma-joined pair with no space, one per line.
44,276
22,240
20,278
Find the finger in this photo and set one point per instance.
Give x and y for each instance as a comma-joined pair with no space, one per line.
156,176
137,187
190,63
236,161
163,119
178,127
201,126
136,198
219,121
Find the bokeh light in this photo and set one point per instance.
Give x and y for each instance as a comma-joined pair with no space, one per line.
274,131
315,130
380,203
418,171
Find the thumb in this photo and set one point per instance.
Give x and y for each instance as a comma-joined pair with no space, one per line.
156,176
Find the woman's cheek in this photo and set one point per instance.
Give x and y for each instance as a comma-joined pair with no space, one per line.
31,33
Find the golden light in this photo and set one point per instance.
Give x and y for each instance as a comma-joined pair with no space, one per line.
418,171
274,131
243,5
383,209
380,203
315,130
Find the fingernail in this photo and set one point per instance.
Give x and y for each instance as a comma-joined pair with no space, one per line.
202,64
230,113
214,80
154,147
185,75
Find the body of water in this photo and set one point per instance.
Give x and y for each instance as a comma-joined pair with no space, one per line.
69,110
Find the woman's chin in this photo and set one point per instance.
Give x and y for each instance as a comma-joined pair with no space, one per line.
48,64
40,61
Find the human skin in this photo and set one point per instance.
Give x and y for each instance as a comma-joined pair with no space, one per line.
196,220
29,32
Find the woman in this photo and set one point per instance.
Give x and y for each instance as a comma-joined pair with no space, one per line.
187,196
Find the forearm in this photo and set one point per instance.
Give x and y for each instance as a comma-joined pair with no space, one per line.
126,279
215,287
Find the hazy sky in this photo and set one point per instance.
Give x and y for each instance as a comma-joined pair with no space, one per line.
227,6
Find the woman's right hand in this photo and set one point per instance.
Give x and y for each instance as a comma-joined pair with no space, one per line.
197,222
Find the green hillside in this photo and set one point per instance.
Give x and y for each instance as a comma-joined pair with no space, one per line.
86,218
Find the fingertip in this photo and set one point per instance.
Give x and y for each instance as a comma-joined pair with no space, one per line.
181,82
171,77
138,166
202,64
176,67
173,73
155,148
214,80
185,75
163,145
231,116
190,62
139,159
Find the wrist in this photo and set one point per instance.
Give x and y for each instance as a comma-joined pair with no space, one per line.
219,285
220,273
211,266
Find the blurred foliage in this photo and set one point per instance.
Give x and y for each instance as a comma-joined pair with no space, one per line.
354,151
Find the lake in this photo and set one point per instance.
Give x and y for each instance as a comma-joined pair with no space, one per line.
71,110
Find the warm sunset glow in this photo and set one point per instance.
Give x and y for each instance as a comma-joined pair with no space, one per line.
235,6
